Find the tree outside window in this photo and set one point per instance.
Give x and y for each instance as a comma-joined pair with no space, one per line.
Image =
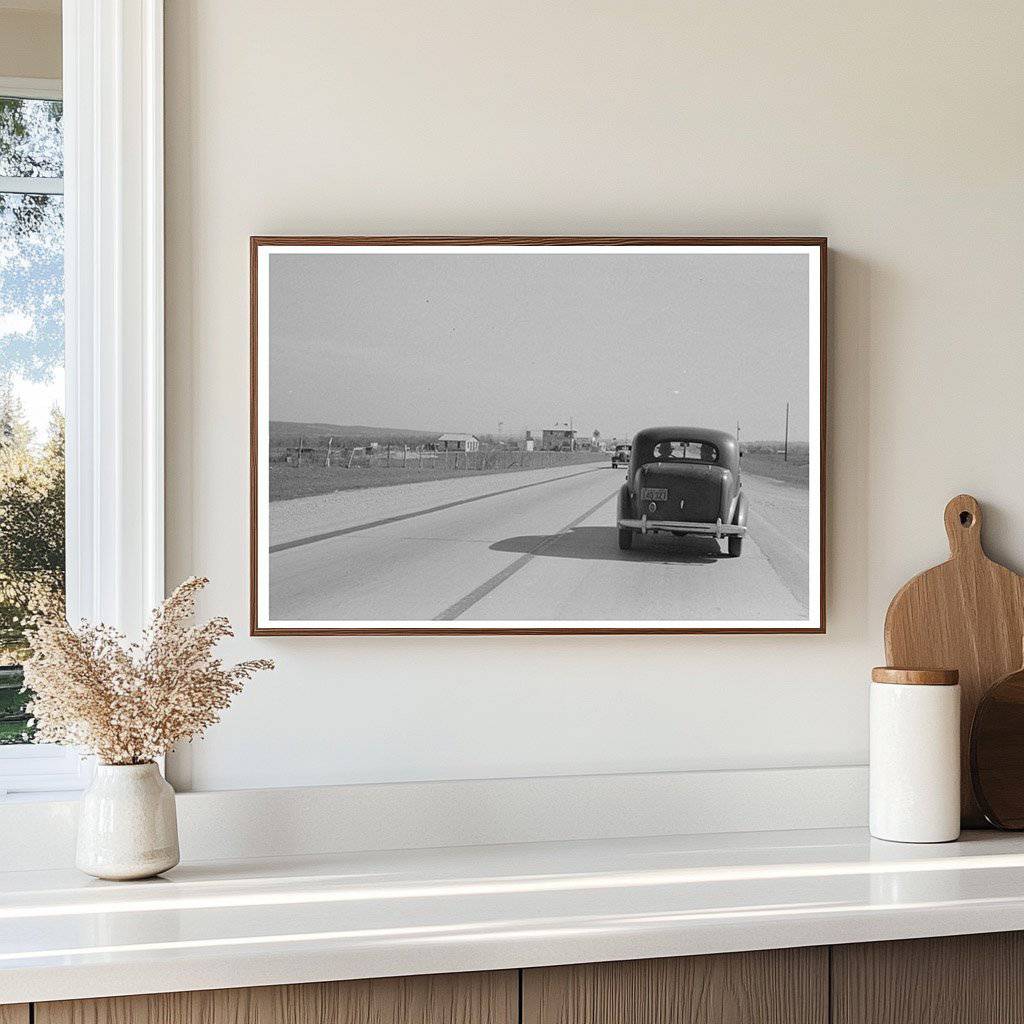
31,386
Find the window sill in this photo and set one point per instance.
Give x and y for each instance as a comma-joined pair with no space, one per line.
32,772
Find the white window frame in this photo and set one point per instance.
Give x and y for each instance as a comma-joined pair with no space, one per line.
36,768
114,328
31,88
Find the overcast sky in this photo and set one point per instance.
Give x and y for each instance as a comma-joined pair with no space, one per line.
459,342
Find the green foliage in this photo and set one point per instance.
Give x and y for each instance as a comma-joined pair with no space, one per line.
31,524
31,548
14,722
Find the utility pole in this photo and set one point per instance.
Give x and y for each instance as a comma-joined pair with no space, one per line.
737,433
785,446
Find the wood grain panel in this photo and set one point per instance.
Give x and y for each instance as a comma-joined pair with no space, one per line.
967,614
779,986
14,1013
962,979
478,998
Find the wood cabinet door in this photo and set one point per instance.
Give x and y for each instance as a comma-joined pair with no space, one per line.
961,979
777,986
14,1013
478,998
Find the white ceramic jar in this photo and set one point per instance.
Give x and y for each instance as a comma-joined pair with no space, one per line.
915,755
127,825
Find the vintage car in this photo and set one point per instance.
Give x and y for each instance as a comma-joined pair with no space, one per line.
620,457
684,481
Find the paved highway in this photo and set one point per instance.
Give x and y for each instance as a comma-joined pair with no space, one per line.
535,545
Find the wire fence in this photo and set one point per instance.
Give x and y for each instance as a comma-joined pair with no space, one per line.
409,458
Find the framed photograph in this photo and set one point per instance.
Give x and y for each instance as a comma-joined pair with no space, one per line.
537,435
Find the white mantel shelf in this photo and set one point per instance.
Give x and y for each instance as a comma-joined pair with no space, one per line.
273,921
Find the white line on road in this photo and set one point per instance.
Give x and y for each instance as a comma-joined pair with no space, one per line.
462,605
286,545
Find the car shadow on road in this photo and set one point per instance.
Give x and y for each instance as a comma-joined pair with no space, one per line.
601,543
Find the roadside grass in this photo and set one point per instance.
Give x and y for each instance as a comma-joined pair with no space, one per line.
795,470
304,481
287,481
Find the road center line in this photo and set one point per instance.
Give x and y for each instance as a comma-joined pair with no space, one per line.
460,606
286,545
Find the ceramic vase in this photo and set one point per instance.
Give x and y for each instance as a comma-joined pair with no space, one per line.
127,826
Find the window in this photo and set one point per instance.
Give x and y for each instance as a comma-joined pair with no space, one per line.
685,451
111,159
31,406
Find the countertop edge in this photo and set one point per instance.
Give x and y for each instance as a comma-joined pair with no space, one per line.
556,946
294,920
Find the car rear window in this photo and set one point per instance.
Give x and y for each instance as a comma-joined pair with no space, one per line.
685,451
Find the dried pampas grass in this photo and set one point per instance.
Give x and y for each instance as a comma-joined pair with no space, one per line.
129,703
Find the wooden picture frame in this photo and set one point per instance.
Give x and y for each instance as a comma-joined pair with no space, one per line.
263,623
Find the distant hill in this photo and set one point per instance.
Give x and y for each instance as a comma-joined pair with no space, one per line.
280,429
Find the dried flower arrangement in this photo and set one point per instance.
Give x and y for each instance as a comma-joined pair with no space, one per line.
129,703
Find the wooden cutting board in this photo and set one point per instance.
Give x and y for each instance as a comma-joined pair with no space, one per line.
967,614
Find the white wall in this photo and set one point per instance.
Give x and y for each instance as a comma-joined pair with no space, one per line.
895,129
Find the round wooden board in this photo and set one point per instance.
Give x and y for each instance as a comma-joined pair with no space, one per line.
997,753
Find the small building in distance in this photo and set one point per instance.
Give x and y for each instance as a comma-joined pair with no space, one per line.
559,439
458,443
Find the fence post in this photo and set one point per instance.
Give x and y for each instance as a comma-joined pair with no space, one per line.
330,442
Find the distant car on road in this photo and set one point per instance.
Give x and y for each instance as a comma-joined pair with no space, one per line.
684,481
620,457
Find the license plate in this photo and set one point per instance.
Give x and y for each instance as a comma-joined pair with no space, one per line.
653,494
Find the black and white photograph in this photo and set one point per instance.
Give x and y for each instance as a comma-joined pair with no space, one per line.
550,435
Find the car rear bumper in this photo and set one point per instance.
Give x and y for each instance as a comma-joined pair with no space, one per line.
716,529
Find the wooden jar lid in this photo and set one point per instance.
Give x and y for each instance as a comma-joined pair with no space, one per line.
916,676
